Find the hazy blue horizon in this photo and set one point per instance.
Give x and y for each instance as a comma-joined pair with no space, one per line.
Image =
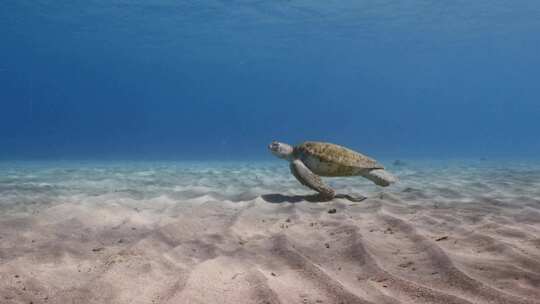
219,80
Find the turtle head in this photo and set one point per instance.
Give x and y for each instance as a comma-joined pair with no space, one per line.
281,150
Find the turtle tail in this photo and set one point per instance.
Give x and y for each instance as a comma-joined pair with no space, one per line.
380,177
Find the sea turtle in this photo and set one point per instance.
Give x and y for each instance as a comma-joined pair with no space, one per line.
310,160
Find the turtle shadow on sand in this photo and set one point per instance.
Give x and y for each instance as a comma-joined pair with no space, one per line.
277,198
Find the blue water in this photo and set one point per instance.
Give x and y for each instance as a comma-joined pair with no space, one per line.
199,80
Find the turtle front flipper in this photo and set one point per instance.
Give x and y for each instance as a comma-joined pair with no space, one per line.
311,180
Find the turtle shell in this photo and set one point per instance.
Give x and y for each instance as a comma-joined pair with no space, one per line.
326,159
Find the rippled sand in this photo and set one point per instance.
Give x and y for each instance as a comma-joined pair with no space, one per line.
455,232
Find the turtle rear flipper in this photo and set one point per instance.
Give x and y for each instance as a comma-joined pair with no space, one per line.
311,180
380,177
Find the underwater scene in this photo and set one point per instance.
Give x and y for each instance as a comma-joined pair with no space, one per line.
285,151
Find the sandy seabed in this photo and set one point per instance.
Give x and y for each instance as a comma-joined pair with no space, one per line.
461,232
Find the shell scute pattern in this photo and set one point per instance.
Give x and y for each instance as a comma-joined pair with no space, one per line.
335,160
